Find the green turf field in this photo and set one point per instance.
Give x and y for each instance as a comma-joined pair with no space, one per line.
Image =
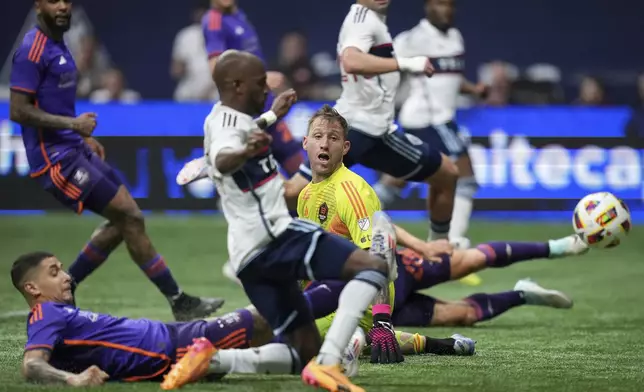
596,346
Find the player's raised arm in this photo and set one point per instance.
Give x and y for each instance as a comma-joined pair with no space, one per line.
358,43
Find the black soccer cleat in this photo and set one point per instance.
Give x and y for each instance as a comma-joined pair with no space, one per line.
187,308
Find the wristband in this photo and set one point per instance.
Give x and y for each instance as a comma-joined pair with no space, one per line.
270,117
380,309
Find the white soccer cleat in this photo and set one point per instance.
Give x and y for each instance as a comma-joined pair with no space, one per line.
537,295
351,355
229,272
193,171
571,245
383,242
463,345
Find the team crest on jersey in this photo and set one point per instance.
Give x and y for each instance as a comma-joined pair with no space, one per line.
323,213
81,176
364,224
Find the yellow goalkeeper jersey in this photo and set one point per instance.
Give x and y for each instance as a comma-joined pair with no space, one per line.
342,204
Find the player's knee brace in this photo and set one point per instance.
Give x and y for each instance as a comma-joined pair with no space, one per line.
467,187
375,277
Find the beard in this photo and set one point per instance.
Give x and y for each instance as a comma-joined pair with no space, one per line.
55,24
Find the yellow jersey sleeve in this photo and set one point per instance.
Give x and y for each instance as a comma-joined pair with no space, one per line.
357,201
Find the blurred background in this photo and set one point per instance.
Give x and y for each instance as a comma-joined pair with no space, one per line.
563,118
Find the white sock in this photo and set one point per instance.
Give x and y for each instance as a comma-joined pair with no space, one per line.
356,296
273,358
460,216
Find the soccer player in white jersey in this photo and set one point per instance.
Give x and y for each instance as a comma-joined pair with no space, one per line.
271,251
370,78
429,111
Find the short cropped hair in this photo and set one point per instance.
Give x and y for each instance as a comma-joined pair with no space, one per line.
24,264
328,113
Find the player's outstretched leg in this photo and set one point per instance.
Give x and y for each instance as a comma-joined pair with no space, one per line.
416,344
123,212
503,254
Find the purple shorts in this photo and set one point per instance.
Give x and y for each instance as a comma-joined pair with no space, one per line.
417,273
232,330
81,180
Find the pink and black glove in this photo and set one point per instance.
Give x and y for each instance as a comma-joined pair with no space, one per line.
382,337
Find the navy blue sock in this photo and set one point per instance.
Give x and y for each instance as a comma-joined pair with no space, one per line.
502,254
489,306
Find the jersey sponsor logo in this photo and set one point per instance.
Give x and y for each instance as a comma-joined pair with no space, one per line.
413,139
81,176
323,212
364,224
365,239
448,64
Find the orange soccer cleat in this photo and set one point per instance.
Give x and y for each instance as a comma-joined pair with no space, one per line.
192,367
329,377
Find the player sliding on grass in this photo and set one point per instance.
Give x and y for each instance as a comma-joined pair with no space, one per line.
68,163
271,251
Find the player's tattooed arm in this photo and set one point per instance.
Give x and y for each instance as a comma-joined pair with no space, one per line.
36,368
23,110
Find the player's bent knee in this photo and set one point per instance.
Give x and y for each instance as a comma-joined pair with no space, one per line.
446,176
375,277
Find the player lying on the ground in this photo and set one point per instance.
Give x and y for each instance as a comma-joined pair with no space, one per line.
80,348
417,272
69,164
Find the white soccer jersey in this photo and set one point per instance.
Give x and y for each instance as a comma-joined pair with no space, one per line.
367,102
252,198
432,100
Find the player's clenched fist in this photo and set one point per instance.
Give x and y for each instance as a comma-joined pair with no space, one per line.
84,124
256,142
384,345
92,376
282,104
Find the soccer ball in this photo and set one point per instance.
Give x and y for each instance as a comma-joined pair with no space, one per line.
601,220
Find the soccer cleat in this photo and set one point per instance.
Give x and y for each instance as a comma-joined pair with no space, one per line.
192,366
537,295
187,308
571,245
193,171
329,377
229,272
471,280
463,345
350,358
383,242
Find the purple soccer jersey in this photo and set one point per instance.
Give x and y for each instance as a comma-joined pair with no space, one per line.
229,31
126,349
45,69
